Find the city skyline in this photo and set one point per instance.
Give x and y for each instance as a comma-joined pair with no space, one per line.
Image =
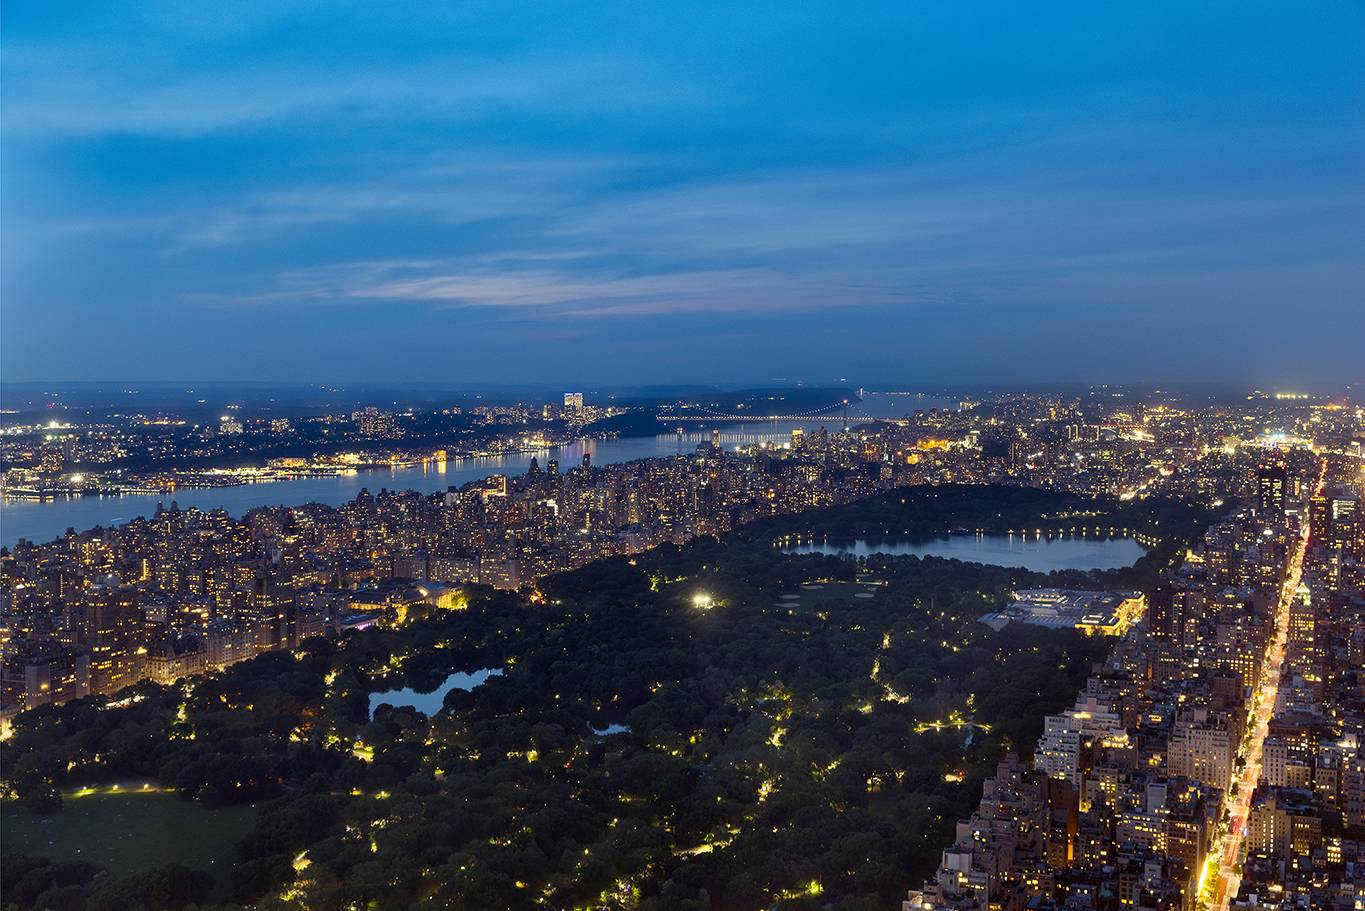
672,656
623,195
693,457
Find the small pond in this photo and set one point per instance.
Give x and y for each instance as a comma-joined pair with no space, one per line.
431,703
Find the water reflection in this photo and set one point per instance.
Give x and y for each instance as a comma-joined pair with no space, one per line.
45,521
431,703
1035,553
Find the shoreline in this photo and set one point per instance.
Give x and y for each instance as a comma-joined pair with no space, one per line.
42,495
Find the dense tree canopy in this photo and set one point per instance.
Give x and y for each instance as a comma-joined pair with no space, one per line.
642,747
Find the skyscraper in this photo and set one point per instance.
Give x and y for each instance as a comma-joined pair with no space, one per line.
1271,487
110,628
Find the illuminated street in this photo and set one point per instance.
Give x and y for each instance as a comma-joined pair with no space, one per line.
1228,857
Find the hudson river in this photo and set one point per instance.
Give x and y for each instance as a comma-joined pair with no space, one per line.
44,521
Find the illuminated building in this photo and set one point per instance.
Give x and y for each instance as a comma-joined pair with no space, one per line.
38,673
112,630
1271,488
1203,746
1283,822
371,422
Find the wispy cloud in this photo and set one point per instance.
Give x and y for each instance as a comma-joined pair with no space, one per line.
47,100
436,193
273,168
576,239
566,291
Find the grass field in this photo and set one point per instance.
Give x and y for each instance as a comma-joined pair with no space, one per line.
131,830
815,593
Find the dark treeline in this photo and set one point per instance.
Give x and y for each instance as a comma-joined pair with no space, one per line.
36,882
776,752
926,512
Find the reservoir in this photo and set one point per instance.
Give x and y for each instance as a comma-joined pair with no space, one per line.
1039,554
42,521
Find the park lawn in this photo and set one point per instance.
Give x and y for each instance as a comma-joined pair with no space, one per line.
829,591
130,831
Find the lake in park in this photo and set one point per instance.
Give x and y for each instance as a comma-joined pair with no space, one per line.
432,702
1040,554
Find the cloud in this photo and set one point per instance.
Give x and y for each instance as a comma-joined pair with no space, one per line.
577,238
427,191
292,169
47,99
562,289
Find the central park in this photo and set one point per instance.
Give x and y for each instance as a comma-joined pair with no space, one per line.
714,725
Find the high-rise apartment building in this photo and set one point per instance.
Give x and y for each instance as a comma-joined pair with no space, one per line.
1272,486
111,629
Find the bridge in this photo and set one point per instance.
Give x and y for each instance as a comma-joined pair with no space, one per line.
701,413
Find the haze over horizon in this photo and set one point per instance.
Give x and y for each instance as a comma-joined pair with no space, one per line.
628,194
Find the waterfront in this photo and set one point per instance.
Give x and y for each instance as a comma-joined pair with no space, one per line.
1032,552
42,521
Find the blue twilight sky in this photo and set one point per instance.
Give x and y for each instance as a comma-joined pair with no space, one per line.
658,192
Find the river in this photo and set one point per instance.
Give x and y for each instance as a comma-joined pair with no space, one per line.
46,520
